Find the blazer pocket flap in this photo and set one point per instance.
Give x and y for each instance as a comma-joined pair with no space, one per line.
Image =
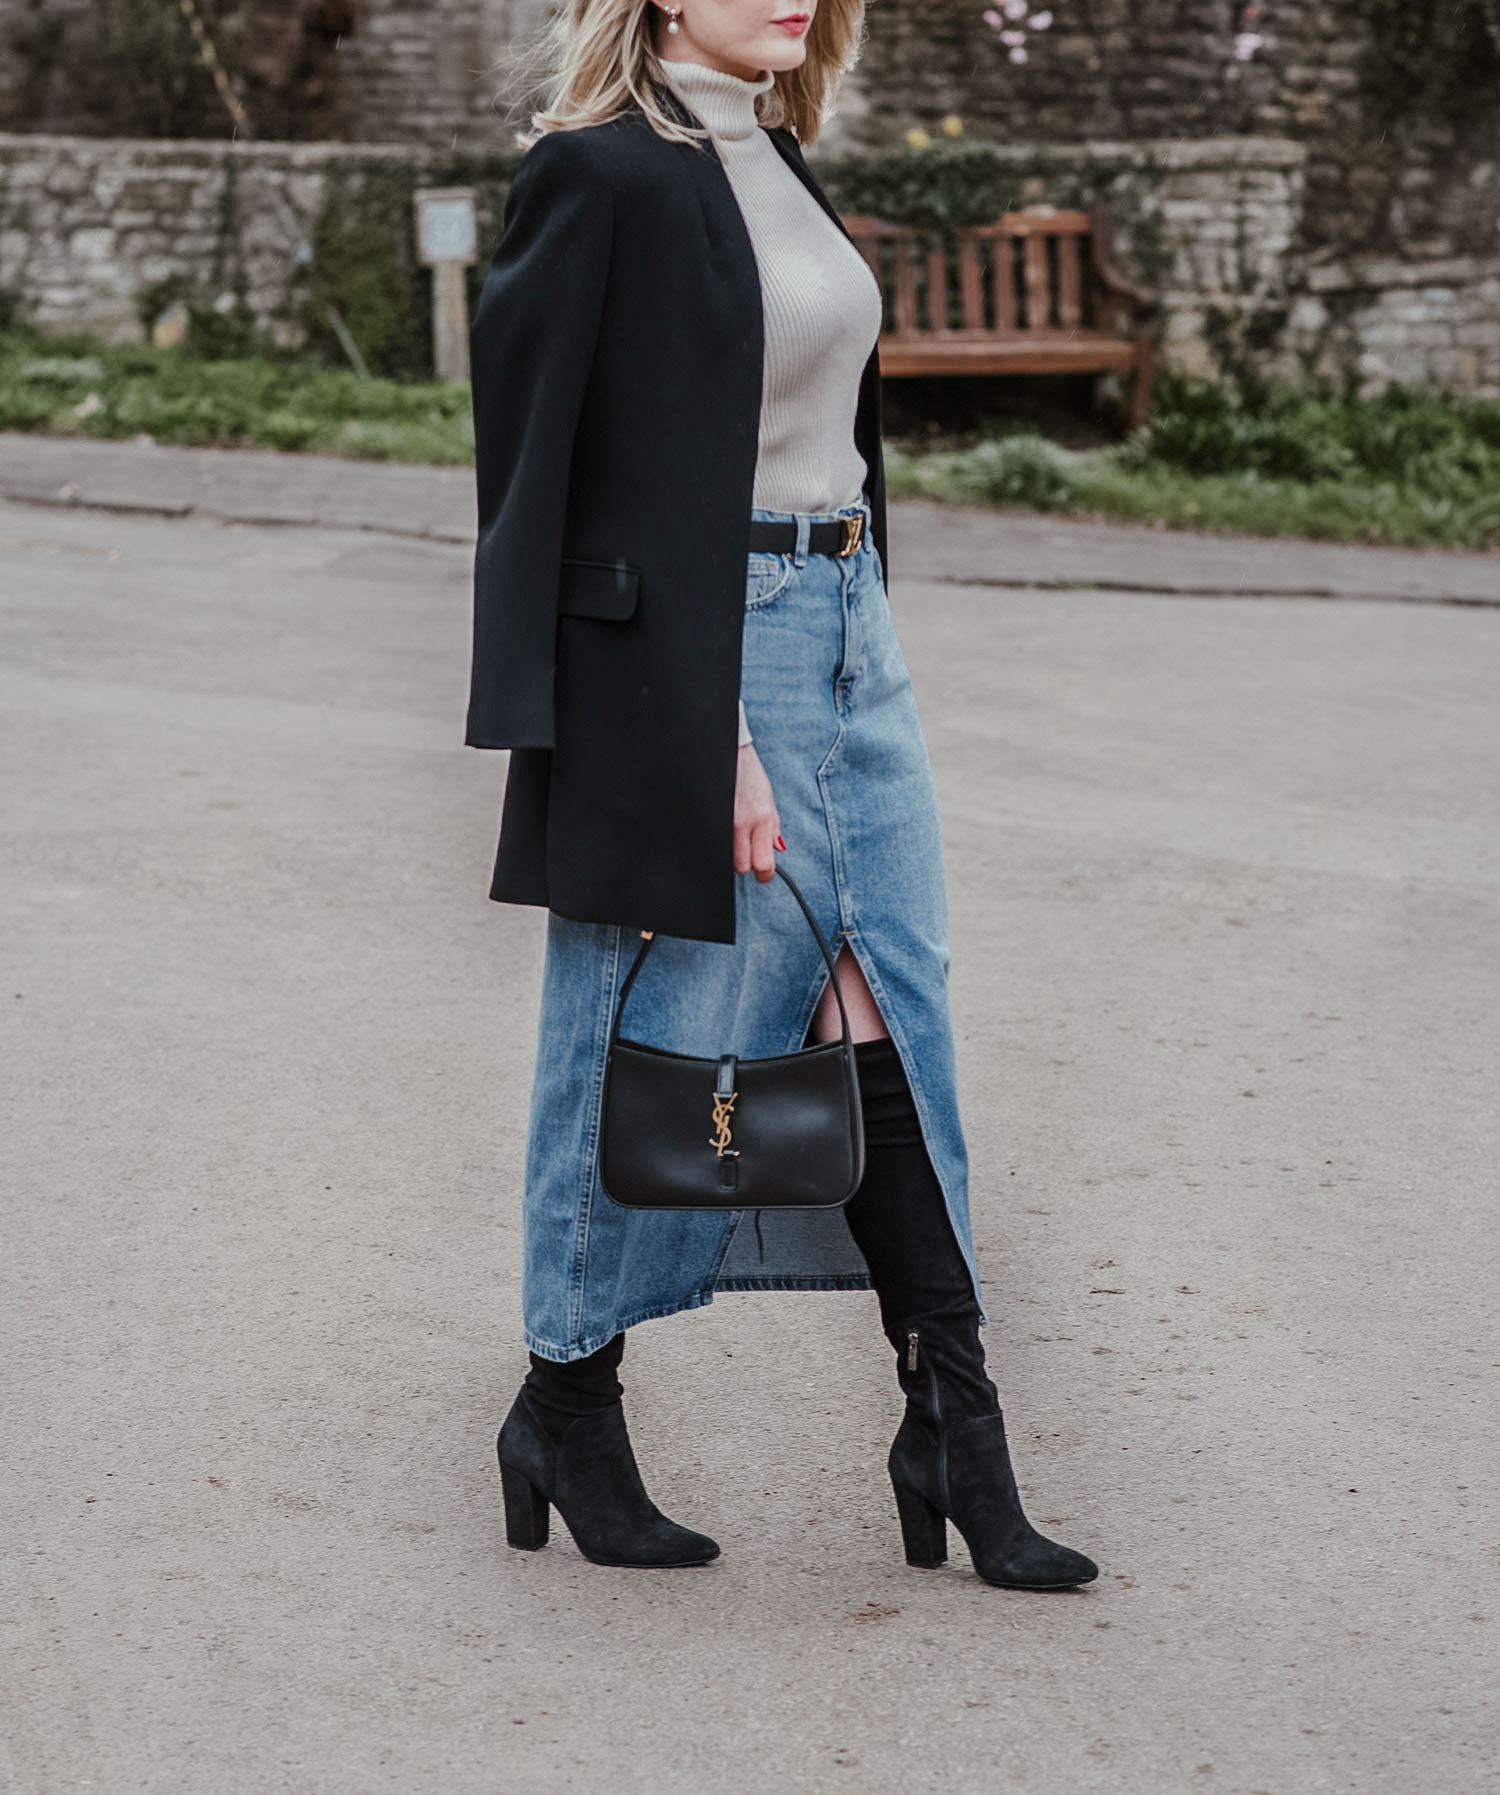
602,589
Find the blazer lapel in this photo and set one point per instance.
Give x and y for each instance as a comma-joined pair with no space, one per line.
730,251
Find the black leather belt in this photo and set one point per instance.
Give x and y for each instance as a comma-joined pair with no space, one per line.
843,538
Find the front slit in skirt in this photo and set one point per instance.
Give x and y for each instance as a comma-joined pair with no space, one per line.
830,705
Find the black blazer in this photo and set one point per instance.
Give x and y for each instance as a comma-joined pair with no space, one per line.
617,384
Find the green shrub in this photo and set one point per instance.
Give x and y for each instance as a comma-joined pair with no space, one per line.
1262,459
232,335
1209,428
1420,441
1016,470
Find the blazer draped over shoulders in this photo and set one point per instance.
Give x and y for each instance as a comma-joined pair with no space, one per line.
617,363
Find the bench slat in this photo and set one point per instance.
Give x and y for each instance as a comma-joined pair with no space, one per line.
1038,284
937,287
1002,248
1042,352
1069,282
971,281
906,289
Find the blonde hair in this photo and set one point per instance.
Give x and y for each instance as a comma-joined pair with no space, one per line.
597,59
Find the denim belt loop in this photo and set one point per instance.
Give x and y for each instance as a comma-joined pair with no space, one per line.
804,534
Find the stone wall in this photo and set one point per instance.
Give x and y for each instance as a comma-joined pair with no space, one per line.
1421,185
436,71
1426,184
1432,324
86,223
1423,182
411,71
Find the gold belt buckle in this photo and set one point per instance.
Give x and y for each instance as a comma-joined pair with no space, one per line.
854,535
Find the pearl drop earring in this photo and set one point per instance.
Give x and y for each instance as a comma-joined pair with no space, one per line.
673,13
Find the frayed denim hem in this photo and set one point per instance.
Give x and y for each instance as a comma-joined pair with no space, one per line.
563,1355
835,1281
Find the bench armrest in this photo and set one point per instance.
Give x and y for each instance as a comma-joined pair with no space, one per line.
1143,300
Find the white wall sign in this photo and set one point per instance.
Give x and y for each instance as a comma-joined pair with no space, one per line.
447,226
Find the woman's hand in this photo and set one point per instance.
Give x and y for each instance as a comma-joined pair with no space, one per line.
757,828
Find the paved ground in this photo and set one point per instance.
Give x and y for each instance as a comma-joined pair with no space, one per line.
1226,878
931,542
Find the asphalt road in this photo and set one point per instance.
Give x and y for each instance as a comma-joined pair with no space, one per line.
1225,878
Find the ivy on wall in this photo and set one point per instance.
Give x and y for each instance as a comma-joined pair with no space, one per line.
132,68
949,186
363,264
131,65
364,258
1428,100
1430,57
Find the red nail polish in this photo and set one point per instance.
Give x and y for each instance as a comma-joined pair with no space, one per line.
781,844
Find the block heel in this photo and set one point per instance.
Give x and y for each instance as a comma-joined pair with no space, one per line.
526,1510
924,1529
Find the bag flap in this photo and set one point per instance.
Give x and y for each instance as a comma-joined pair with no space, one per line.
601,589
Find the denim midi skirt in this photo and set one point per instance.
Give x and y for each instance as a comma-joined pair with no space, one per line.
835,724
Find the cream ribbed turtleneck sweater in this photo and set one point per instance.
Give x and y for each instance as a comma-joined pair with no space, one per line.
821,305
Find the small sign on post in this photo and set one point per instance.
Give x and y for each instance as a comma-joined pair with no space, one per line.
448,243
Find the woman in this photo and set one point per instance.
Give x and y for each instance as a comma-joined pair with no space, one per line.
681,632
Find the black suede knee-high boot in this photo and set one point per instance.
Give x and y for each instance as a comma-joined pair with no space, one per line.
950,1460
565,1444
559,1393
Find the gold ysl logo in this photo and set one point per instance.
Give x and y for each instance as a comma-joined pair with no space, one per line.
723,1110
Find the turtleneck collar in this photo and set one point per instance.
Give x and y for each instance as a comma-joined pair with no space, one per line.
725,103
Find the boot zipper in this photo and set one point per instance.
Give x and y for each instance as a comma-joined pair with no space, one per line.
913,1353
913,1344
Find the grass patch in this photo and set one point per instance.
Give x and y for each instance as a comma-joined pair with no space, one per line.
78,387
1409,469
1263,460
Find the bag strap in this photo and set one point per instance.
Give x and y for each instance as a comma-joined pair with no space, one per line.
648,941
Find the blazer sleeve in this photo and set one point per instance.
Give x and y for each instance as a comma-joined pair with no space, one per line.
532,348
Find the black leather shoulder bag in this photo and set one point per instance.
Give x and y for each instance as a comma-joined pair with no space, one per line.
727,1133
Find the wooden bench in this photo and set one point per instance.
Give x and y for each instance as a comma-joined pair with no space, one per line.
1033,293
